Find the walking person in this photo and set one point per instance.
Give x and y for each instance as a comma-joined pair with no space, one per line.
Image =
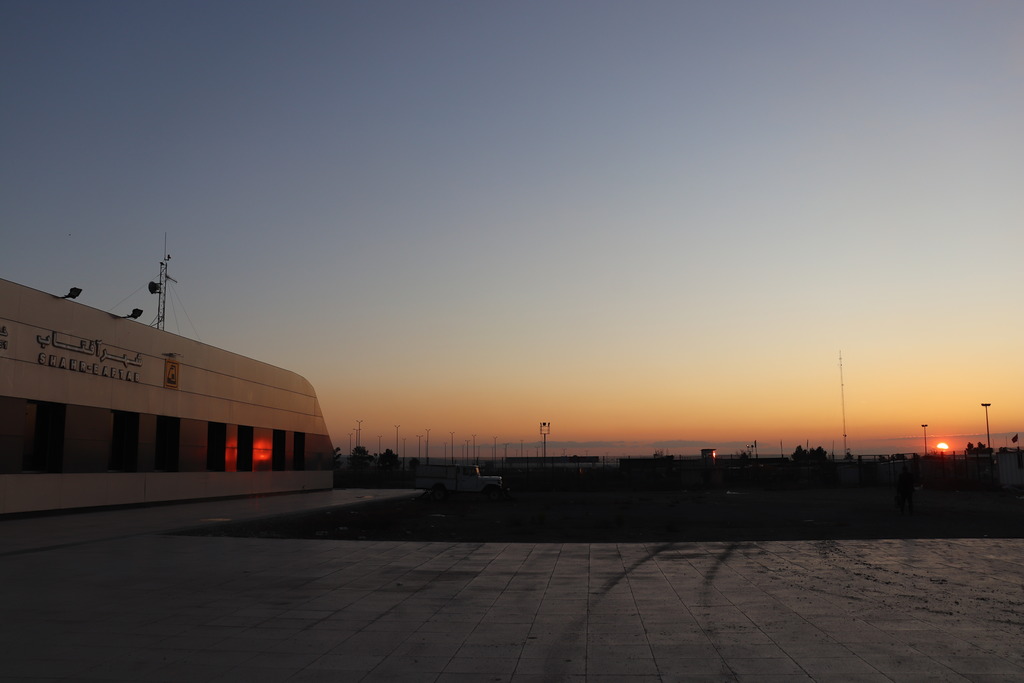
905,490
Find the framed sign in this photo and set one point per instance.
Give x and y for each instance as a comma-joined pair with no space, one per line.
171,369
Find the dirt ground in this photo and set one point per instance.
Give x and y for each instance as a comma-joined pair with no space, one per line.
625,517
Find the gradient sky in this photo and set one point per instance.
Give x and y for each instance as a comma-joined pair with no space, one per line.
654,224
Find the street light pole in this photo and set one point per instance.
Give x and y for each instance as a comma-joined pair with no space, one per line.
427,453
545,429
925,428
396,440
453,447
988,434
359,431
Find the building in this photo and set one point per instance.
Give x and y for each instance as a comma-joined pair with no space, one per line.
99,410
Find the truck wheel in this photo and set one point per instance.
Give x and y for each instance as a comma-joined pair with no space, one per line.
438,492
494,493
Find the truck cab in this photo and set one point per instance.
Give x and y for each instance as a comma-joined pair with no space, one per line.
440,481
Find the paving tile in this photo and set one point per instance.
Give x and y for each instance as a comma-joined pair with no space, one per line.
552,667
763,666
482,666
693,666
124,602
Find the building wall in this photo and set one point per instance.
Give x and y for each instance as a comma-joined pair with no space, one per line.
104,385
1011,468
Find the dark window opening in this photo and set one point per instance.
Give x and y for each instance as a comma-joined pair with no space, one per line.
44,445
216,446
124,442
168,442
299,457
244,462
279,456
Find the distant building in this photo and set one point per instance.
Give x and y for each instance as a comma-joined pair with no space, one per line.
96,410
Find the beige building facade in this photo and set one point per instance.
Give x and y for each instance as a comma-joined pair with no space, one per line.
98,410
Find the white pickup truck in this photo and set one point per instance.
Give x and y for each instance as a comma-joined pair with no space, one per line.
438,481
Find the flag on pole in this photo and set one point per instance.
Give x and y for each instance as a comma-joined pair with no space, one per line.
1014,439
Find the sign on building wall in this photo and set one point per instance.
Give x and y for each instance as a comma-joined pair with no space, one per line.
171,370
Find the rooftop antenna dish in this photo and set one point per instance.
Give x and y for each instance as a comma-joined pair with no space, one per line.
160,288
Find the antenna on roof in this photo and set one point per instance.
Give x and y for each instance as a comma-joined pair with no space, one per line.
842,398
160,287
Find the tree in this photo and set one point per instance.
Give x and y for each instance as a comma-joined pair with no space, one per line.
803,455
388,460
359,458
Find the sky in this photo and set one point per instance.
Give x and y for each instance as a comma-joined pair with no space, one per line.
656,225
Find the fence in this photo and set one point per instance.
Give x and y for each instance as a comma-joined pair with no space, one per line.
666,473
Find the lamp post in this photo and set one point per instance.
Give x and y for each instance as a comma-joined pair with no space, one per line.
474,458
545,429
925,428
453,447
988,435
396,440
359,431
418,437
427,452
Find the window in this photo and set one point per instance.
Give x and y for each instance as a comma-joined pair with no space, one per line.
244,462
44,443
299,455
279,456
216,446
168,443
124,442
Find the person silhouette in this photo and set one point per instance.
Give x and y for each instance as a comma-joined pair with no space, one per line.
905,490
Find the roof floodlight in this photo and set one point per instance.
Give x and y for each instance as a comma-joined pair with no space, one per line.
72,293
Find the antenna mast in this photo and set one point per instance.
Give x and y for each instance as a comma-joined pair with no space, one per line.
160,288
842,398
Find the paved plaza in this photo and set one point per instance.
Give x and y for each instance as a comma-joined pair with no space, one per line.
111,596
